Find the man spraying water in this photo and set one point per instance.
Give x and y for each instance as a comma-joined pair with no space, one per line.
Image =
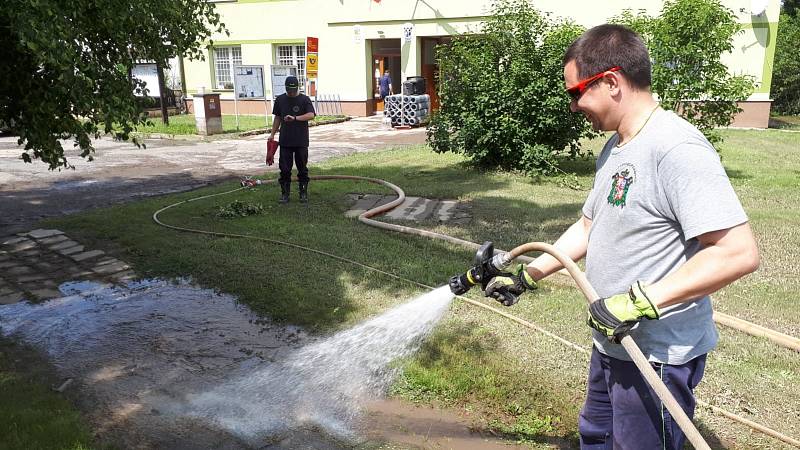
661,230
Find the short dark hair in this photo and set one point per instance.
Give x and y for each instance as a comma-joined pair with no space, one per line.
606,46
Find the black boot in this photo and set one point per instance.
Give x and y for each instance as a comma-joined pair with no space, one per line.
304,192
285,187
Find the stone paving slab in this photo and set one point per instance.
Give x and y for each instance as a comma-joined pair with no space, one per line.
71,250
46,267
415,209
87,255
106,260
21,246
63,245
18,271
17,240
41,234
31,278
54,239
33,264
111,268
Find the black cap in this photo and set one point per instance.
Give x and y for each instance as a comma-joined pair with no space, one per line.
291,83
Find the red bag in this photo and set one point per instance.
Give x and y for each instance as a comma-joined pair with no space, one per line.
272,147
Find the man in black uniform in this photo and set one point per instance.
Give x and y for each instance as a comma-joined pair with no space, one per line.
292,112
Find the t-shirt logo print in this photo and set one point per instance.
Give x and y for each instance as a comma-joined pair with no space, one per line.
295,109
620,183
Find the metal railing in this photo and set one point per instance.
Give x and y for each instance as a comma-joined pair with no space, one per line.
328,104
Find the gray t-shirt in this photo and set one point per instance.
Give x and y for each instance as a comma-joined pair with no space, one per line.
651,198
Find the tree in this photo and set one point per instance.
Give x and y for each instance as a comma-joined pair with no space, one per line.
501,90
66,65
791,7
786,70
688,75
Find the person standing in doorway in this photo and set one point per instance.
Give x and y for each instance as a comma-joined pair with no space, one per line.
661,230
385,84
291,112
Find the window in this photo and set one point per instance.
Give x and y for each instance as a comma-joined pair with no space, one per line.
225,58
293,55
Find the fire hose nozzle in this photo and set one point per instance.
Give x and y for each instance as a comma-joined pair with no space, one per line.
460,284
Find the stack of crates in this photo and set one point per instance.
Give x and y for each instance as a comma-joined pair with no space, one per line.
407,110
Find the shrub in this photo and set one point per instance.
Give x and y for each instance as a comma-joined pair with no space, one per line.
502,97
786,73
688,75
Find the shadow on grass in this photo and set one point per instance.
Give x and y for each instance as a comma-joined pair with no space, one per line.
785,122
736,174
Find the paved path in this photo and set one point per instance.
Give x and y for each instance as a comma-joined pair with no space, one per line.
122,172
34,264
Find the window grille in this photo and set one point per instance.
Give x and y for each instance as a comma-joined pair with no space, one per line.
225,58
293,55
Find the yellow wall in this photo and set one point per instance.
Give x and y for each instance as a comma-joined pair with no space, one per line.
345,63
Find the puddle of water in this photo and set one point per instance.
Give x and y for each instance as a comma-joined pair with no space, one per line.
326,383
129,349
62,185
169,365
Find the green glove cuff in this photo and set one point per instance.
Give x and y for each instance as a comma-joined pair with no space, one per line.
632,305
527,280
642,302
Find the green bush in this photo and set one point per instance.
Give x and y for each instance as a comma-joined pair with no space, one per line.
786,74
688,75
501,91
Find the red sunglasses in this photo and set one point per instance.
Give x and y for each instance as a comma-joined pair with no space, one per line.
576,91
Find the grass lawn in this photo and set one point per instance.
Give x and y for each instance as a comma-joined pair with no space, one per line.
33,416
184,124
519,383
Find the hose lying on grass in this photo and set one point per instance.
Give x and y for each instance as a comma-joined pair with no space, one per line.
366,218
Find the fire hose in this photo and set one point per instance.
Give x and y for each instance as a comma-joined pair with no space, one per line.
517,253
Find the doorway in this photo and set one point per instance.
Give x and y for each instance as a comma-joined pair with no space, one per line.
385,56
430,69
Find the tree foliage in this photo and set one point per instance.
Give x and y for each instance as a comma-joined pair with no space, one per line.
786,70
502,94
65,71
688,75
791,7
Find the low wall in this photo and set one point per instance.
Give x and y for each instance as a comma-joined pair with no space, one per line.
755,114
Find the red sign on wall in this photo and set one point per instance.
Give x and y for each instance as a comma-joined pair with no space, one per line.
312,44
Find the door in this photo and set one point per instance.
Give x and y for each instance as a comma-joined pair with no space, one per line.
430,68
385,56
378,66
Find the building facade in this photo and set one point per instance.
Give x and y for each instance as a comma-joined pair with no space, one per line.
360,39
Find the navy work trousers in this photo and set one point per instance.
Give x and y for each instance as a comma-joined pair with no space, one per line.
300,156
623,412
